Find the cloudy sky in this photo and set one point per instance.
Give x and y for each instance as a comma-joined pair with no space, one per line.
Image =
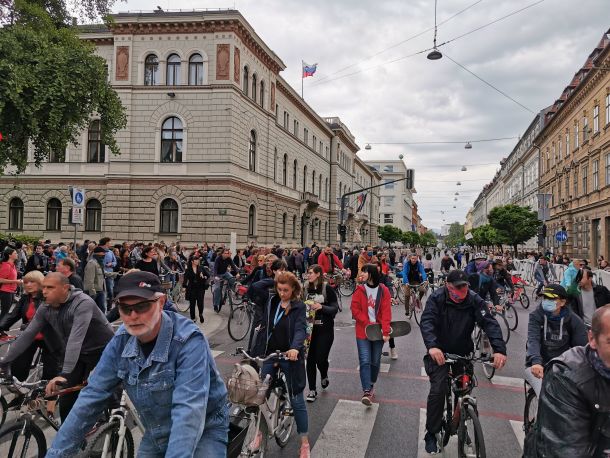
367,75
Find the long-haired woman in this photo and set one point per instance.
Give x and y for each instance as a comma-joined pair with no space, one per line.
8,279
195,283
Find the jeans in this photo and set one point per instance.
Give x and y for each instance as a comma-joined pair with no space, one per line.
217,288
535,382
369,357
100,300
297,401
109,288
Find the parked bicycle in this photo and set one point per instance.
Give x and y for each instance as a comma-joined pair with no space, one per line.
274,417
461,415
240,320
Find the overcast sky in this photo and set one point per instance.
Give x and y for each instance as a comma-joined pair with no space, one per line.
531,56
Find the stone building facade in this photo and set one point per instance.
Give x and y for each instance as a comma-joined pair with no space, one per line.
575,160
216,142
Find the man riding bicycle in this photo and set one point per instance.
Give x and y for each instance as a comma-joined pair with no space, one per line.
446,327
413,274
542,273
223,266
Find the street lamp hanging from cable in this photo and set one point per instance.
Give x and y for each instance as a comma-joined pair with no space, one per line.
435,54
467,146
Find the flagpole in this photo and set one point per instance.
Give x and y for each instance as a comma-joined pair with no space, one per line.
302,78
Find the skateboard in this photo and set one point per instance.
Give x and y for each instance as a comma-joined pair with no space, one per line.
397,329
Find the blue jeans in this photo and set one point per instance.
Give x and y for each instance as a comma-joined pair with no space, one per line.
100,300
109,288
217,288
369,357
297,401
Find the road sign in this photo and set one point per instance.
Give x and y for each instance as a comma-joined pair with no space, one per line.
77,215
78,197
561,236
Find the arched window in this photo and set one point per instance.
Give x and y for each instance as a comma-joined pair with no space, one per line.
294,226
284,222
173,70
96,150
15,214
151,70
254,84
285,170
262,94
294,174
54,215
168,218
171,140
252,152
93,216
246,80
251,221
313,182
305,178
196,70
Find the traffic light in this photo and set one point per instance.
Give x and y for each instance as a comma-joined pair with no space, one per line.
342,229
410,178
543,230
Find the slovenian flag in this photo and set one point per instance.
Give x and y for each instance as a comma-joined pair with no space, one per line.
309,70
361,201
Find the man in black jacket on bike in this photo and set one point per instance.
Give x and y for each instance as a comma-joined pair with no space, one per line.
446,327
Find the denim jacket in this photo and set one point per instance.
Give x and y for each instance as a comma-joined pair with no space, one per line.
177,392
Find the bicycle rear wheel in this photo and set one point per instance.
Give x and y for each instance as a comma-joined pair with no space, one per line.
525,300
501,319
470,435
14,442
530,411
3,410
239,324
104,443
510,313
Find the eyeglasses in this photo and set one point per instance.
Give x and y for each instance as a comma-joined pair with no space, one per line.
138,307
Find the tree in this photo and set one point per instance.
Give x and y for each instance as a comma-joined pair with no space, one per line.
389,233
514,224
455,237
52,84
428,239
485,236
410,238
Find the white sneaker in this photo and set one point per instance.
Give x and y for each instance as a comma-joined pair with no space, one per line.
393,353
312,396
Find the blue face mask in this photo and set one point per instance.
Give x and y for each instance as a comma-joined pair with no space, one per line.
369,253
549,305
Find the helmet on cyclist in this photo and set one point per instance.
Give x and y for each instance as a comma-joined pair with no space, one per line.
479,256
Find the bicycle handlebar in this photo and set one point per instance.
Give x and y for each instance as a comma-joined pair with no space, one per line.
276,354
451,358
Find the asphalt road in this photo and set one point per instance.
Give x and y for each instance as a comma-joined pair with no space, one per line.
340,426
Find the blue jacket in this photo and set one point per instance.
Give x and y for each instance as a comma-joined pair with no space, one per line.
569,276
406,269
109,258
177,392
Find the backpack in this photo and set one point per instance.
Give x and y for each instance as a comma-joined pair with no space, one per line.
245,386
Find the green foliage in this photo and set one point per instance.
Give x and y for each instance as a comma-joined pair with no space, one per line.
485,236
59,11
52,83
410,238
514,224
23,238
428,239
455,237
389,233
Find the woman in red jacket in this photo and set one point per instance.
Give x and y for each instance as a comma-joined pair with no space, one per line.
371,303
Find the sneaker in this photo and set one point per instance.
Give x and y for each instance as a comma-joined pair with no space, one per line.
431,444
201,318
325,382
311,397
367,398
393,353
305,451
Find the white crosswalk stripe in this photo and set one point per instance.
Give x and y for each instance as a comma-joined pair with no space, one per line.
347,431
518,430
507,381
451,450
216,353
385,368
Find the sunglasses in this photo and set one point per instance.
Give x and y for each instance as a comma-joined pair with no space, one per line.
138,307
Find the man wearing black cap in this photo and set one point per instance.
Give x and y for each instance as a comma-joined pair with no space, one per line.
164,362
446,327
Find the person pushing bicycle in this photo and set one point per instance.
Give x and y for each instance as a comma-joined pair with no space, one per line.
446,327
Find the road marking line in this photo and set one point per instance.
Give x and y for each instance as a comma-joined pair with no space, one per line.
422,372
518,430
347,431
384,367
507,381
216,353
451,450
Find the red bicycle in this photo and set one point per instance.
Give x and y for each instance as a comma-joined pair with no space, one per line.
519,291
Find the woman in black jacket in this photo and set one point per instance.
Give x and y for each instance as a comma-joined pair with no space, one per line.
24,311
326,305
195,282
283,327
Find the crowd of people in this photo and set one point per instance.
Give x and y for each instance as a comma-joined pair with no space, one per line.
66,297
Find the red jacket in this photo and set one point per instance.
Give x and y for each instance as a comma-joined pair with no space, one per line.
361,314
324,262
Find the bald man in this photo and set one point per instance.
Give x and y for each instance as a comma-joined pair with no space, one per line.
82,330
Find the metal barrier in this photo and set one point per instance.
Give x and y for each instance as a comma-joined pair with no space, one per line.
525,267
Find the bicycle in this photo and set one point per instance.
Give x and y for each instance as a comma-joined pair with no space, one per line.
113,439
519,291
240,320
530,411
335,280
415,307
508,309
16,437
482,349
347,286
170,286
461,415
274,418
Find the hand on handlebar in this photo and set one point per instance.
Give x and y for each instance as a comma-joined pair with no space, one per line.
499,360
292,355
54,385
437,356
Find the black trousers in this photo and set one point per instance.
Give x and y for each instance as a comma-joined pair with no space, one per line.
20,367
6,301
84,365
196,297
322,339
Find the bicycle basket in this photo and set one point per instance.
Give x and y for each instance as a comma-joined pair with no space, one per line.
245,386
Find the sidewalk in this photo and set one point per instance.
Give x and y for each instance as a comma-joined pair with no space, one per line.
213,321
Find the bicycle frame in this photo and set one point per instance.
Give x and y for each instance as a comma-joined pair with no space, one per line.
120,415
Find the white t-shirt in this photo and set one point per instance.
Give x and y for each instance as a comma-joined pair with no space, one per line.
588,305
371,295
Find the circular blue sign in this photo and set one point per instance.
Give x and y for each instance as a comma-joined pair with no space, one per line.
78,197
561,236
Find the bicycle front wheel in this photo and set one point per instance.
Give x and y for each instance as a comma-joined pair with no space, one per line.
3,410
501,319
240,321
418,308
530,411
17,442
470,435
252,447
347,287
104,443
512,318
525,300
285,423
